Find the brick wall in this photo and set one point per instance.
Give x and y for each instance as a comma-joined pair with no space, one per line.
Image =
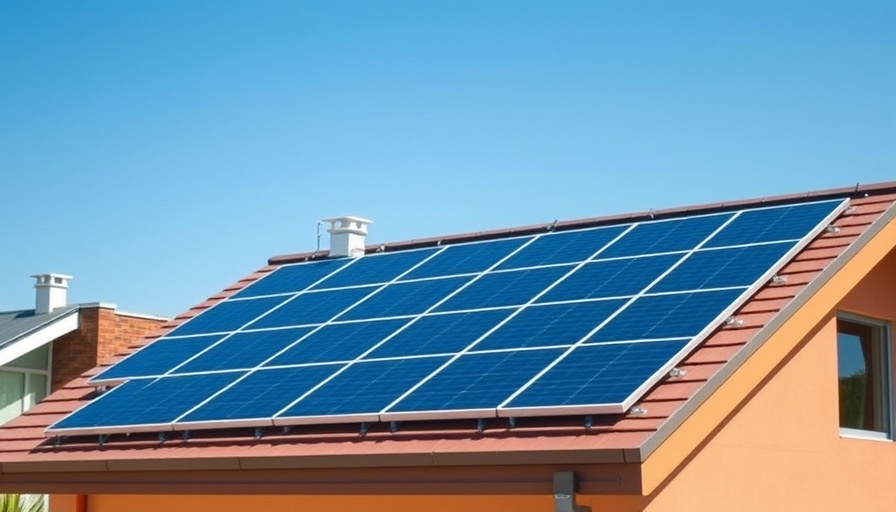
102,333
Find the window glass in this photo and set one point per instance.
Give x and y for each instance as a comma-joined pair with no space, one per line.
12,387
36,389
863,376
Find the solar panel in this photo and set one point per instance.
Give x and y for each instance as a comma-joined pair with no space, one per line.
337,342
361,391
291,279
441,334
569,322
158,358
243,350
272,390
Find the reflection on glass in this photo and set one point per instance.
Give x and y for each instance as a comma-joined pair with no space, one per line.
862,376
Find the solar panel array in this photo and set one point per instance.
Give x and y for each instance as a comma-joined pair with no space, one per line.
573,322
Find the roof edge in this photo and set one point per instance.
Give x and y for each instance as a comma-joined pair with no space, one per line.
858,190
665,431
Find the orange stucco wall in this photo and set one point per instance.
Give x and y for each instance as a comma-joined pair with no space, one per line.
782,450
134,503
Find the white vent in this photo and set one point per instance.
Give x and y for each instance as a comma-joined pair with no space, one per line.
347,236
50,292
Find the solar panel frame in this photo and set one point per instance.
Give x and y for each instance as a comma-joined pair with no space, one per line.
503,410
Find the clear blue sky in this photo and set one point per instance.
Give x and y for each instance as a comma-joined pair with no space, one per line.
158,151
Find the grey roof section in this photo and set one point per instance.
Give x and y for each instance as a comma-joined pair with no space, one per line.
16,324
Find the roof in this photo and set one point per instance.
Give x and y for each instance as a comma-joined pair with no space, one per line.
16,324
621,439
21,331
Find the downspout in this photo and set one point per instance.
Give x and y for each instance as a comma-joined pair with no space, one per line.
565,493
81,503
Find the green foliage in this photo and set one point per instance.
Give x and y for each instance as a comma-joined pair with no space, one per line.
852,401
21,503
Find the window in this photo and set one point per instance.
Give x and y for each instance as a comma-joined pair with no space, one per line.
24,382
863,370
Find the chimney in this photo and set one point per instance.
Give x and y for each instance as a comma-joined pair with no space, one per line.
50,292
347,235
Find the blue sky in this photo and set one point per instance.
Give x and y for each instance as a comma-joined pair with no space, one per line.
158,151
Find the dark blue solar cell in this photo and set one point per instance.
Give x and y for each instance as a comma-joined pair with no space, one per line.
366,387
505,288
262,394
292,278
556,324
338,342
477,381
376,268
440,334
244,350
598,374
564,247
400,299
667,316
721,268
466,258
229,316
613,278
157,358
665,236
772,224
313,307
147,401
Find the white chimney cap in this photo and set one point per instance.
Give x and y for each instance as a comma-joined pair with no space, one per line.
50,292
347,235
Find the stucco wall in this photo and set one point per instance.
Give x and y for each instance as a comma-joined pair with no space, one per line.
135,503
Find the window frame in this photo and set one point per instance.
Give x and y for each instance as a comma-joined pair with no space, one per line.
882,333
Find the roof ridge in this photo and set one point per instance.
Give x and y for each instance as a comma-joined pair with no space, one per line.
858,190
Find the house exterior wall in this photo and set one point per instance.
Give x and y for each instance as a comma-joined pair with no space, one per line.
103,332
782,450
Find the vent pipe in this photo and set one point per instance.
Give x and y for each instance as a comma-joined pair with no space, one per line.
347,235
50,292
